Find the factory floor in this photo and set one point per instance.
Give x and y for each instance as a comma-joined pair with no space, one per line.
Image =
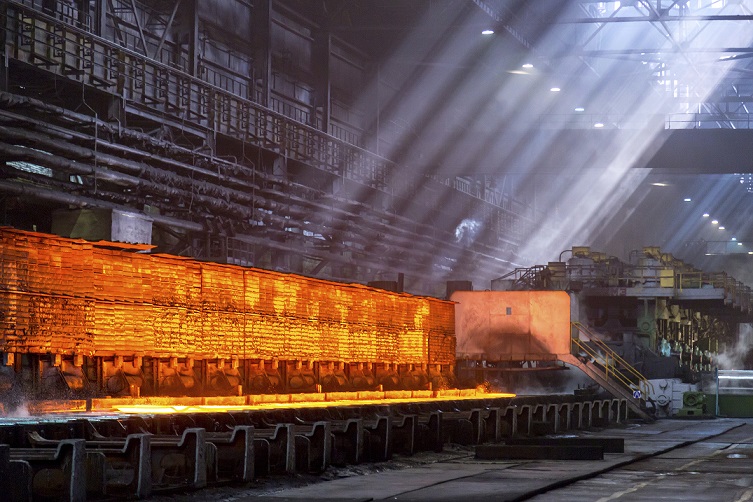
670,459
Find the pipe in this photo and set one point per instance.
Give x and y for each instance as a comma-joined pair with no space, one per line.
69,150
563,252
383,232
58,146
361,212
356,210
115,177
220,205
84,202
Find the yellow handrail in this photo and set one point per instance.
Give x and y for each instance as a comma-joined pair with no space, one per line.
603,356
604,362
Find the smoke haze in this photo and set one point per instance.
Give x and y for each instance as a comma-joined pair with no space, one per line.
736,356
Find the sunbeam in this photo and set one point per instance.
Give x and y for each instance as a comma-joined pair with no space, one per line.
470,109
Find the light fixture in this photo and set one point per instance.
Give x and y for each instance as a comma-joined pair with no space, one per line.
705,215
555,89
734,238
527,65
580,109
598,125
658,184
687,199
721,228
714,222
739,243
487,32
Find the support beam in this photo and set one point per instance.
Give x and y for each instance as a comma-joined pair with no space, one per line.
115,22
319,267
3,63
99,22
704,151
192,14
167,28
321,53
650,18
138,25
261,35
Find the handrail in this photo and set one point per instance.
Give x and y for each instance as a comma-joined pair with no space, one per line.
192,101
76,53
521,273
604,361
603,355
607,350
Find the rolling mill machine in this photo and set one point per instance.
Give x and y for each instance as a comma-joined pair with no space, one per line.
660,314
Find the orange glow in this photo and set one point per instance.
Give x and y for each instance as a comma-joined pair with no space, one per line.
512,325
146,409
68,296
167,405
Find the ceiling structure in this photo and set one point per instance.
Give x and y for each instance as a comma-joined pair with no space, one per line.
689,65
634,78
664,85
361,139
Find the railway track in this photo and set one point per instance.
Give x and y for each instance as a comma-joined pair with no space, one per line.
114,455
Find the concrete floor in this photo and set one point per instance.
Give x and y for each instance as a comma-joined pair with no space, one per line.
684,460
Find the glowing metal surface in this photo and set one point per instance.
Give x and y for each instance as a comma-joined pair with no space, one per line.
146,409
33,411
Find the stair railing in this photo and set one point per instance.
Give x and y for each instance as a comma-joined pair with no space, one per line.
615,367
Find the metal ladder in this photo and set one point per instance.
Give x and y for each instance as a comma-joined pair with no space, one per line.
608,369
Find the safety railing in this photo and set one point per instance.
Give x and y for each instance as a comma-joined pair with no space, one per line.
709,120
615,368
523,279
632,121
43,41
664,276
173,95
659,276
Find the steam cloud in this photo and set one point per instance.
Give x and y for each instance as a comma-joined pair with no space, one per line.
20,411
734,358
558,382
466,231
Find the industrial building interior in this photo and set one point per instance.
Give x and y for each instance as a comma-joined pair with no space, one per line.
240,201
371,141
421,147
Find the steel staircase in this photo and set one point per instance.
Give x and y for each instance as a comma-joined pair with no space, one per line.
608,369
